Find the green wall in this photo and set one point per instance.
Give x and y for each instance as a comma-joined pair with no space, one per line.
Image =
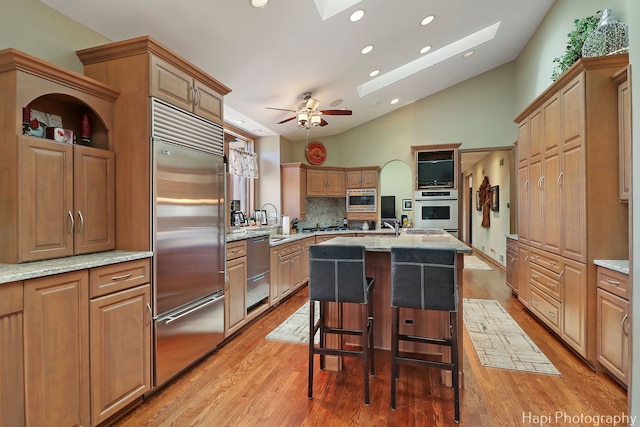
34,28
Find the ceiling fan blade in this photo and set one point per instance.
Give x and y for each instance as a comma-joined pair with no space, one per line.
280,109
286,120
337,112
323,122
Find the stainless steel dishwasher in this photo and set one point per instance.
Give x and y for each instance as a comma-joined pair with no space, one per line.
258,273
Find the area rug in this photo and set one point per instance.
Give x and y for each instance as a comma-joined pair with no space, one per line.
499,341
472,262
295,328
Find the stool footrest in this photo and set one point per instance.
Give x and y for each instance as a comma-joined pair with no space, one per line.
429,363
425,340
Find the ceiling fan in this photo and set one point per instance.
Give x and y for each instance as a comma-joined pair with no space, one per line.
308,115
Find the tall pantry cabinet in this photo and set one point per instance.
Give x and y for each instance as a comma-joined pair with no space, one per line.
568,203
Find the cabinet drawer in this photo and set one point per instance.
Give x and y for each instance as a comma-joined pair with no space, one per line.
286,250
512,244
547,260
546,281
117,277
547,309
236,249
613,281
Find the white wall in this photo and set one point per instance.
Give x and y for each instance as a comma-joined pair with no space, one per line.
491,241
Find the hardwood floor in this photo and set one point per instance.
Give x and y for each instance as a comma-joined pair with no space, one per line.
252,381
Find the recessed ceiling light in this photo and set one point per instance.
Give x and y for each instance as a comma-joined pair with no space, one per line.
259,3
427,20
357,15
468,54
395,101
239,122
336,102
257,131
366,49
425,49
374,73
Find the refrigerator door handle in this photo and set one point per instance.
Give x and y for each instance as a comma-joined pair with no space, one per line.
170,319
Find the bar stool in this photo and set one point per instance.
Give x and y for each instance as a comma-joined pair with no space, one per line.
424,279
337,274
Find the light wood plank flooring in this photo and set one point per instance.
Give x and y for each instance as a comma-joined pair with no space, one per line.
252,381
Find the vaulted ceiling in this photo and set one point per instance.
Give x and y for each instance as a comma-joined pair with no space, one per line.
269,56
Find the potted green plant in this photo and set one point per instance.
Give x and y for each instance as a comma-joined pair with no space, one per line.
583,27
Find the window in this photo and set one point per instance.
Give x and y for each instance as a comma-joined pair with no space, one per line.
238,187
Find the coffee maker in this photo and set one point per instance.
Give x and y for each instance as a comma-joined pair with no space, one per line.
237,217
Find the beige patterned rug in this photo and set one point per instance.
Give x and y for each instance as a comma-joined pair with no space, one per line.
499,341
295,328
472,262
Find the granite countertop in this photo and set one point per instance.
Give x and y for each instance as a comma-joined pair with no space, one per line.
280,239
428,238
619,265
31,270
512,236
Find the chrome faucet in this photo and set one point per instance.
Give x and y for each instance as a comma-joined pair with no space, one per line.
395,227
274,208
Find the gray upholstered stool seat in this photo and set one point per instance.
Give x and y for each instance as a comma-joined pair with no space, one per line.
337,274
424,279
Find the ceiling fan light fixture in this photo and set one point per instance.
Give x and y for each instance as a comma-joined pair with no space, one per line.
303,118
315,120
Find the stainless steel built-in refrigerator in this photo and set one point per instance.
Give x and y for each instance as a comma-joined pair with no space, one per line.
189,238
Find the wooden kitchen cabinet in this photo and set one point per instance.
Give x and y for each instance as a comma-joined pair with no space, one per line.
326,182
67,199
11,355
304,262
120,336
142,69
568,185
181,88
621,77
286,262
614,323
362,177
293,177
43,177
56,350
236,287
120,350
512,265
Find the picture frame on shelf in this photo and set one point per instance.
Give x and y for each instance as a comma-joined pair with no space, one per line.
407,204
495,198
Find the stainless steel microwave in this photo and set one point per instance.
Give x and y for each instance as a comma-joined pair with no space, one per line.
362,200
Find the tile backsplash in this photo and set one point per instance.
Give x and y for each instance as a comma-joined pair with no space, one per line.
324,211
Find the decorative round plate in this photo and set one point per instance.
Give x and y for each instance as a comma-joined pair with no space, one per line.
316,153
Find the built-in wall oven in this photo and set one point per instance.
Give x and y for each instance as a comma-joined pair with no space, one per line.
436,208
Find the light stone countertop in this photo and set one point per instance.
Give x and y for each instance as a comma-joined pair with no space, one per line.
429,238
619,265
280,239
512,236
32,270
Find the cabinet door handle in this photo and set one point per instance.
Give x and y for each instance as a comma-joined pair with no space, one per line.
149,308
121,277
551,284
81,222
624,320
525,187
541,182
613,282
560,176
73,222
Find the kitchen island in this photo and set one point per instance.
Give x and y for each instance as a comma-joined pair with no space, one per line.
378,265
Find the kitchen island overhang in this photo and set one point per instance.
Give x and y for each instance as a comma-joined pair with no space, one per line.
378,265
